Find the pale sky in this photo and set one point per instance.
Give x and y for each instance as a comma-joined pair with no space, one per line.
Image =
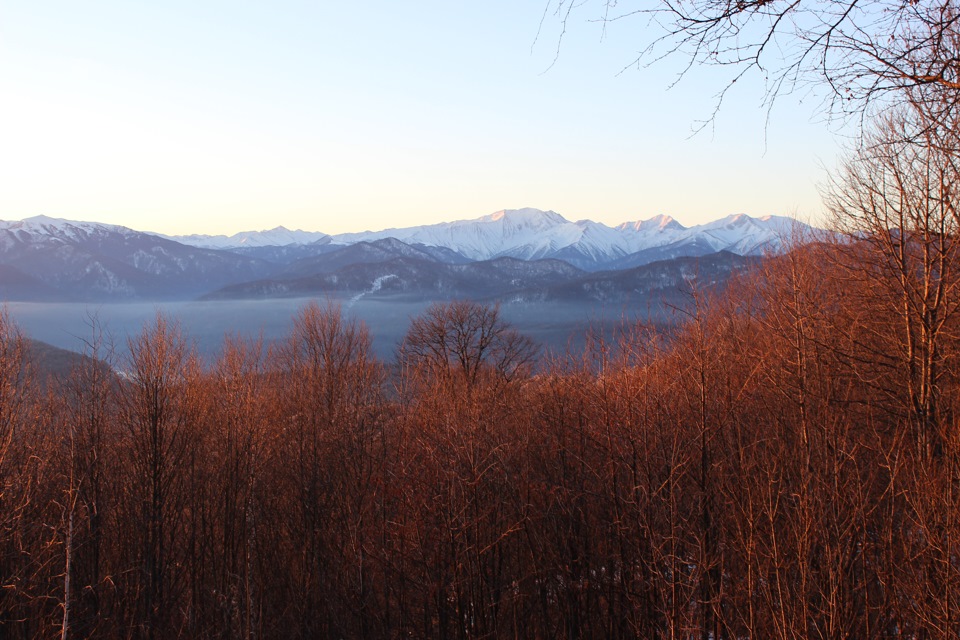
207,116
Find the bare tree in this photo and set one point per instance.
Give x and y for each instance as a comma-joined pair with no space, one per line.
160,420
86,407
328,404
897,196
19,473
466,338
864,51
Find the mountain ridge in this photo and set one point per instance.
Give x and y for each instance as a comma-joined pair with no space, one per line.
44,258
532,234
51,258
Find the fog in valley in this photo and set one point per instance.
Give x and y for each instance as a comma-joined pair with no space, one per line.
556,327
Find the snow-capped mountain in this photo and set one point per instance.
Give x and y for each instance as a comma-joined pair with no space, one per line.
49,258
527,234
30,229
276,237
531,234
87,260
744,235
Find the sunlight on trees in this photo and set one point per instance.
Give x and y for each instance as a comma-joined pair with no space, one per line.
466,338
753,472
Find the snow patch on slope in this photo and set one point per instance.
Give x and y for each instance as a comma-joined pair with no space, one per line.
68,230
376,286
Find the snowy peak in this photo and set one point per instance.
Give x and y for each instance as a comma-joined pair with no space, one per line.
531,234
656,223
737,220
54,258
276,237
519,233
45,227
526,234
520,223
91,261
742,221
665,222
525,218
46,224
744,235
40,221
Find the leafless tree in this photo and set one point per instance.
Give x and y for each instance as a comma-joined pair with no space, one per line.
328,399
865,51
22,544
86,410
161,421
467,339
897,197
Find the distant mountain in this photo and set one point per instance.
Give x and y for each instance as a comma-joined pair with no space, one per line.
48,258
413,278
276,237
285,254
359,253
504,279
669,281
44,258
532,234
527,234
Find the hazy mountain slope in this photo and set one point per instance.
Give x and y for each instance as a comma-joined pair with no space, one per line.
282,255
16,285
665,280
507,279
685,248
48,362
89,261
360,253
412,277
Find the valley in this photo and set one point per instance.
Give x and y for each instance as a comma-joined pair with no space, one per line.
555,326
553,278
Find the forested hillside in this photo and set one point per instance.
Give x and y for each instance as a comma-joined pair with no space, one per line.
783,465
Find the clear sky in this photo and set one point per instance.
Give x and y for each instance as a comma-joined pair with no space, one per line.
209,116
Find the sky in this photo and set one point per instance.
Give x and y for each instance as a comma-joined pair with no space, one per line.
222,116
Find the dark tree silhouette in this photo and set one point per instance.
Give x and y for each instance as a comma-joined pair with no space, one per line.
466,338
864,51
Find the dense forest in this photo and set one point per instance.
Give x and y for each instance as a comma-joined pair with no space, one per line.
784,463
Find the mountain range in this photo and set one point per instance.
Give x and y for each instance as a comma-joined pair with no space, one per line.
531,234
524,254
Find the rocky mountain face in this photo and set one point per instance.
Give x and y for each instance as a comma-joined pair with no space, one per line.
524,254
